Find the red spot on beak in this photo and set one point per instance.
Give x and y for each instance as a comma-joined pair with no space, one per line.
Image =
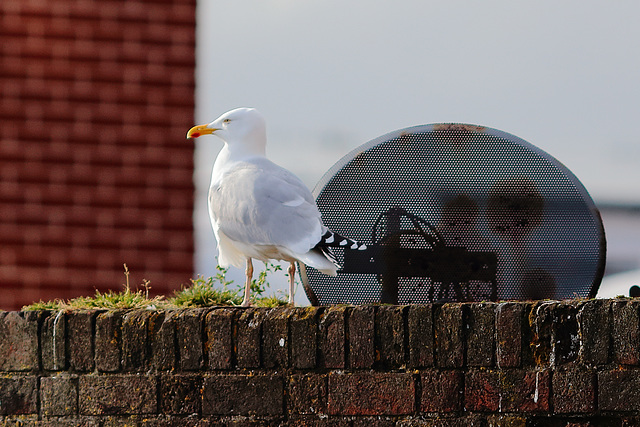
195,135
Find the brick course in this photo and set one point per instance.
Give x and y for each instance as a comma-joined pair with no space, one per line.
95,98
316,366
371,394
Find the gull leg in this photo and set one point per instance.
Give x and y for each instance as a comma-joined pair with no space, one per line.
292,276
247,284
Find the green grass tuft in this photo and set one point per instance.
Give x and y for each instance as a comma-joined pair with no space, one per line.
209,292
203,293
55,305
126,299
269,302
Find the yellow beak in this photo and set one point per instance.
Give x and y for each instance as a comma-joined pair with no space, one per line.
200,130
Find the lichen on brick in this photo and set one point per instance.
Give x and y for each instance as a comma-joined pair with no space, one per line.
540,329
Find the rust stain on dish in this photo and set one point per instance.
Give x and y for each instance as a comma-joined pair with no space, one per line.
458,127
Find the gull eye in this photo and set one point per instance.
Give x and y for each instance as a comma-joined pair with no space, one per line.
225,121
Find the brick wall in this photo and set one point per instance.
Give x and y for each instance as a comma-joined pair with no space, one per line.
95,171
569,364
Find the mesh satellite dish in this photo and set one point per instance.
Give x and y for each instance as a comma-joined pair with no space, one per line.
456,212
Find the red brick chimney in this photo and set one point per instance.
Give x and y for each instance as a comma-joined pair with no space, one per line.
95,171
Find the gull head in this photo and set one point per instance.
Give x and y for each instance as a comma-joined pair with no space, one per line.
239,126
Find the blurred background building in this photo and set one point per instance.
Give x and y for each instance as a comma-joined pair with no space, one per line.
95,171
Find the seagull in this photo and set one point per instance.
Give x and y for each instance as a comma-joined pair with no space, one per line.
260,210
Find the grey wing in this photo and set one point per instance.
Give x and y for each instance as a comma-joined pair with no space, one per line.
264,204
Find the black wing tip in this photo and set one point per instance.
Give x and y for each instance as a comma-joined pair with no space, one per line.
330,240
335,240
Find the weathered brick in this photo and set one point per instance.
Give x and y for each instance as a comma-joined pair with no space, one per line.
480,320
390,336
565,337
64,422
442,391
108,340
123,421
259,395
507,421
458,421
626,331
53,341
482,391
80,339
525,391
189,331
18,395
248,338
594,320
539,332
180,394
164,351
304,335
58,396
512,391
507,391
19,341
449,336
135,346
628,421
275,338
307,394
420,330
322,421
172,421
117,394
508,328
574,391
619,390
219,345
332,330
371,394
360,329
375,421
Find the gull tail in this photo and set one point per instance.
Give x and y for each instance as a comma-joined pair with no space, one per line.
334,240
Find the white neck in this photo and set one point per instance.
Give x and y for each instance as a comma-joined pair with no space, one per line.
232,154
248,148
240,146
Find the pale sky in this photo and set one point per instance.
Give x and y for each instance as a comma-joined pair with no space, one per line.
330,75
